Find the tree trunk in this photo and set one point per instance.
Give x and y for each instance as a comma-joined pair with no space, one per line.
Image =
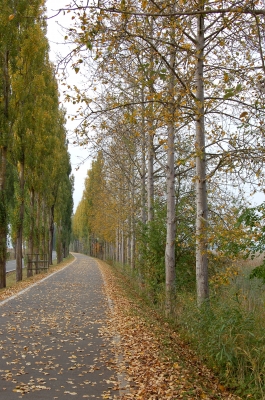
201,190
132,261
150,142
132,225
117,245
3,217
59,248
21,169
122,247
3,163
51,234
31,233
171,202
37,225
143,166
128,245
43,228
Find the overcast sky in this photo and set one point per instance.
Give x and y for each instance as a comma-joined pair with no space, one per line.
55,36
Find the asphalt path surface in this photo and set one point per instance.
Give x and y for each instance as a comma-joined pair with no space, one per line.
11,265
54,341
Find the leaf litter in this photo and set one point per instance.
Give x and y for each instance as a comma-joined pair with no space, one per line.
157,363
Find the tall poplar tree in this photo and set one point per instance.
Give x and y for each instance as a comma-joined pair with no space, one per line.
219,110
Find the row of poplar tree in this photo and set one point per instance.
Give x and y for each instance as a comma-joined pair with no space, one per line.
173,106
35,182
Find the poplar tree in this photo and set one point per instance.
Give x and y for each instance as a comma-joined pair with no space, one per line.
216,75
27,85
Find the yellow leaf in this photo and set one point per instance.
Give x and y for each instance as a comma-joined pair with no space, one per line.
244,114
12,16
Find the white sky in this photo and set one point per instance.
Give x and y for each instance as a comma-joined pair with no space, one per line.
57,46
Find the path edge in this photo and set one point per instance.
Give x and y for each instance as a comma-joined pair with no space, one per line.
36,283
122,377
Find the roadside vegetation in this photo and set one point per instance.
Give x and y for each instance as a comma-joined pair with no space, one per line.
157,358
35,172
227,335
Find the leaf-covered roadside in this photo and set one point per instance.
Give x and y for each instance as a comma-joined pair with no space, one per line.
159,365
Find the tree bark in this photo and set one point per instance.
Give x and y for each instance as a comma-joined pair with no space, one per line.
122,247
19,255
150,141
201,189
31,233
51,230
143,162
171,202
59,245
3,163
3,217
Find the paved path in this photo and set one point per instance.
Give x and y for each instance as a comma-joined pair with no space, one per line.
11,265
52,340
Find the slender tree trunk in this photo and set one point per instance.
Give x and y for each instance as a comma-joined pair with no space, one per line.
150,141
59,244
122,246
143,162
51,234
37,238
201,190
113,252
171,202
105,251
3,163
132,227
3,217
150,180
43,229
21,169
132,264
47,231
128,245
117,245
31,232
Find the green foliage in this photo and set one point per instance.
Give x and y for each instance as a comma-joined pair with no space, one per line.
258,272
229,334
152,241
32,129
253,221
